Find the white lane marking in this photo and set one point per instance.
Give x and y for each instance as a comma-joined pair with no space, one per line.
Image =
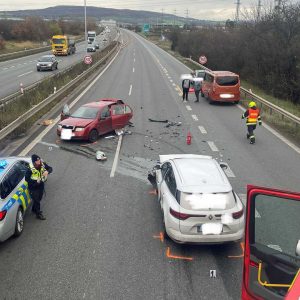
173,84
228,171
202,130
48,144
212,146
116,159
188,107
134,60
130,90
277,134
243,198
25,74
133,70
5,68
195,117
171,80
29,147
169,77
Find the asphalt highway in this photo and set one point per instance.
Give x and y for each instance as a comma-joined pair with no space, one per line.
101,239
23,70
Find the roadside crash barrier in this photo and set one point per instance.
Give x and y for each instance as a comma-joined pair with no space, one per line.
60,93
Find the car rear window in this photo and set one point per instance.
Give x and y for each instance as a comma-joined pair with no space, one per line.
227,80
85,112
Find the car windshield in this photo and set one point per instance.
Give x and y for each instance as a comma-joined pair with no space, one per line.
45,58
85,112
200,75
227,80
59,41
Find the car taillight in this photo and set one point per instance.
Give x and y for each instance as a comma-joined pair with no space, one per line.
178,215
2,214
238,214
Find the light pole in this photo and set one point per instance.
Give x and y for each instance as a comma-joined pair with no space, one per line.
85,29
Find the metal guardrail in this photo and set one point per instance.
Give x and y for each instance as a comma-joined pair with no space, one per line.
250,95
30,113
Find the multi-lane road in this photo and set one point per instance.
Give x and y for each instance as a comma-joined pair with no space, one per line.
101,239
23,71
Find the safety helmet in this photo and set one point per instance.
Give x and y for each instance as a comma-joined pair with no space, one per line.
252,104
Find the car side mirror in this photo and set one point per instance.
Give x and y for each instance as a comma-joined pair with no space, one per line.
223,166
298,249
157,167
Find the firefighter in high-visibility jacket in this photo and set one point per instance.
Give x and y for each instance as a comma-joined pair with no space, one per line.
36,177
252,115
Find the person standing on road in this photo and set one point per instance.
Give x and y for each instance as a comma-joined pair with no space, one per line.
197,88
252,115
186,83
36,177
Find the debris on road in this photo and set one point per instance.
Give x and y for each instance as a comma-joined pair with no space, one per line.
100,155
47,122
159,121
110,137
173,124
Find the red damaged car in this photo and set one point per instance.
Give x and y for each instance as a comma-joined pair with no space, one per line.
93,119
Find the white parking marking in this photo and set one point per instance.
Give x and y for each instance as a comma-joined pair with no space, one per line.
115,163
212,146
188,107
202,130
130,90
195,117
25,74
25,151
243,198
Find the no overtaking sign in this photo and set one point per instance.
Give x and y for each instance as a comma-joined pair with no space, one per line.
88,59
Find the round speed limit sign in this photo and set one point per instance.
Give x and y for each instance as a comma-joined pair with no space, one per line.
88,59
202,60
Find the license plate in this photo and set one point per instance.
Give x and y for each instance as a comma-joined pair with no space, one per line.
212,228
66,134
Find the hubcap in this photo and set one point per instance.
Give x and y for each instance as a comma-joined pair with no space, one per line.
20,221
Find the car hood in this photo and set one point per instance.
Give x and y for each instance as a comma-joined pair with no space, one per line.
78,122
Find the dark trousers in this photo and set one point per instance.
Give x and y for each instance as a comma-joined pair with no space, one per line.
36,196
185,94
197,95
251,128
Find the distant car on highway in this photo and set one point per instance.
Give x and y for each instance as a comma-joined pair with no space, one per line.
91,48
47,62
197,201
14,196
94,119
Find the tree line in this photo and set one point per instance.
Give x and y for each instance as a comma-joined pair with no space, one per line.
37,29
264,49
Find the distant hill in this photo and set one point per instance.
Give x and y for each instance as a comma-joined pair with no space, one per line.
120,15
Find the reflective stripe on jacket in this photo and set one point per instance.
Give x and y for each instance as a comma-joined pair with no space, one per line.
253,116
37,174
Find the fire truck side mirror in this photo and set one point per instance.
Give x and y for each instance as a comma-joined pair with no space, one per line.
298,249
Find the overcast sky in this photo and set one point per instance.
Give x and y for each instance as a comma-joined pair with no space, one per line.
200,9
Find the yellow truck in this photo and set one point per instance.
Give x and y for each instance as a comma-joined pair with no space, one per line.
63,45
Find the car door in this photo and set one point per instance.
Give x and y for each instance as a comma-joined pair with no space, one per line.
121,114
272,244
105,121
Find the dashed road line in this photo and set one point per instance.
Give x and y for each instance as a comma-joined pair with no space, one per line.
133,70
202,130
195,117
173,84
25,74
130,90
212,146
228,171
188,107
171,80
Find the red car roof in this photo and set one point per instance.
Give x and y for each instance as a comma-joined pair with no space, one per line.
104,102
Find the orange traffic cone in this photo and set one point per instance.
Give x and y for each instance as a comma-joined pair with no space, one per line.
189,138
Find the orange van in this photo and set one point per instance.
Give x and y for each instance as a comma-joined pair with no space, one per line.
221,86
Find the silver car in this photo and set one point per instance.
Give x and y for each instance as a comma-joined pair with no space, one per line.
197,201
14,196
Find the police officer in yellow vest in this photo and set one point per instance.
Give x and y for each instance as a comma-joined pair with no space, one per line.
252,115
36,177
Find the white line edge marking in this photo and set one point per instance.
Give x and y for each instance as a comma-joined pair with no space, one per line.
202,130
212,146
25,74
188,107
29,147
195,117
133,70
116,159
130,90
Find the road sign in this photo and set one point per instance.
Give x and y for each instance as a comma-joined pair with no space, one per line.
88,59
202,60
146,28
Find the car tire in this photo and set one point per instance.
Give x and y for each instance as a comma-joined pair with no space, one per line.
52,68
56,66
19,223
236,102
38,69
93,136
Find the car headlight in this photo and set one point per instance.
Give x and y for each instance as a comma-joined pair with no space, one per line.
38,64
79,129
59,126
49,65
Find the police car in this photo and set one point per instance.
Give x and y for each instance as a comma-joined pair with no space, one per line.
14,196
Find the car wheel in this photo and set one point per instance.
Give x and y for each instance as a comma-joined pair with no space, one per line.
19,223
236,102
38,69
52,68
93,136
210,101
